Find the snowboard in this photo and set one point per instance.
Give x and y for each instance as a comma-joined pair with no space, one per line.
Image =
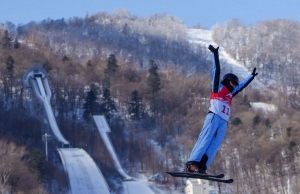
217,178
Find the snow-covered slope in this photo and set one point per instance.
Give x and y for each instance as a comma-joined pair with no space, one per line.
228,64
266,108
84,174
136,187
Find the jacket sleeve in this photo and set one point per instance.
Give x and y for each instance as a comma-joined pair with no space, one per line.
216,82
242,85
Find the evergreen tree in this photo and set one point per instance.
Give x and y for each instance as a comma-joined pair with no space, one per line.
112,66
89,63
47,66
10,64
125,29
90,106
110,70
236,121
135,109
107,106
6,40
256,120
65,58
8,82
16,44
153,79
268,123
292,144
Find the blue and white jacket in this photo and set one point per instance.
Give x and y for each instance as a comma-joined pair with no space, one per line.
221,97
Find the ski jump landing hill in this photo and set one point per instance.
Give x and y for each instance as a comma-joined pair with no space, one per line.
84,175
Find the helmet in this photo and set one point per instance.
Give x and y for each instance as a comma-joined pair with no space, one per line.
230,77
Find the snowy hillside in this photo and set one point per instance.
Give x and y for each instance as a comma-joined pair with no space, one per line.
266,108
228,64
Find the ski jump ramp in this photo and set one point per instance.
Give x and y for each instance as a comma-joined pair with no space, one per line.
36,79
103,129
131,186
84,175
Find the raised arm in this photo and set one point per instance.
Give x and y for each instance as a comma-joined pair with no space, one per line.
244,83
216,82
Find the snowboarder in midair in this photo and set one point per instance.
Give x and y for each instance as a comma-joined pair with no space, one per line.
215,124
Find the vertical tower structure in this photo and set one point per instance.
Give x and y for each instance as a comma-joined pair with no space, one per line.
36,78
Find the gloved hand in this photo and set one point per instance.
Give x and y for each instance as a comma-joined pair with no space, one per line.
254,72
213,49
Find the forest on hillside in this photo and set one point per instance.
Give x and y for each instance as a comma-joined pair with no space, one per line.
137,40
270,45
134,71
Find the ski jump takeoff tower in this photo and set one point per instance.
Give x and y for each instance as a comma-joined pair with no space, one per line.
83,173
36,79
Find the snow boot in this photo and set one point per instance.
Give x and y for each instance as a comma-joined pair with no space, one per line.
194,168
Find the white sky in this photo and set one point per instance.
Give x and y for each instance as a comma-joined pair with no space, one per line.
191,12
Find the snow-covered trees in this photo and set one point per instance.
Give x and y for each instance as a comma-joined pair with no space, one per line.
257,147
270,45
159,36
